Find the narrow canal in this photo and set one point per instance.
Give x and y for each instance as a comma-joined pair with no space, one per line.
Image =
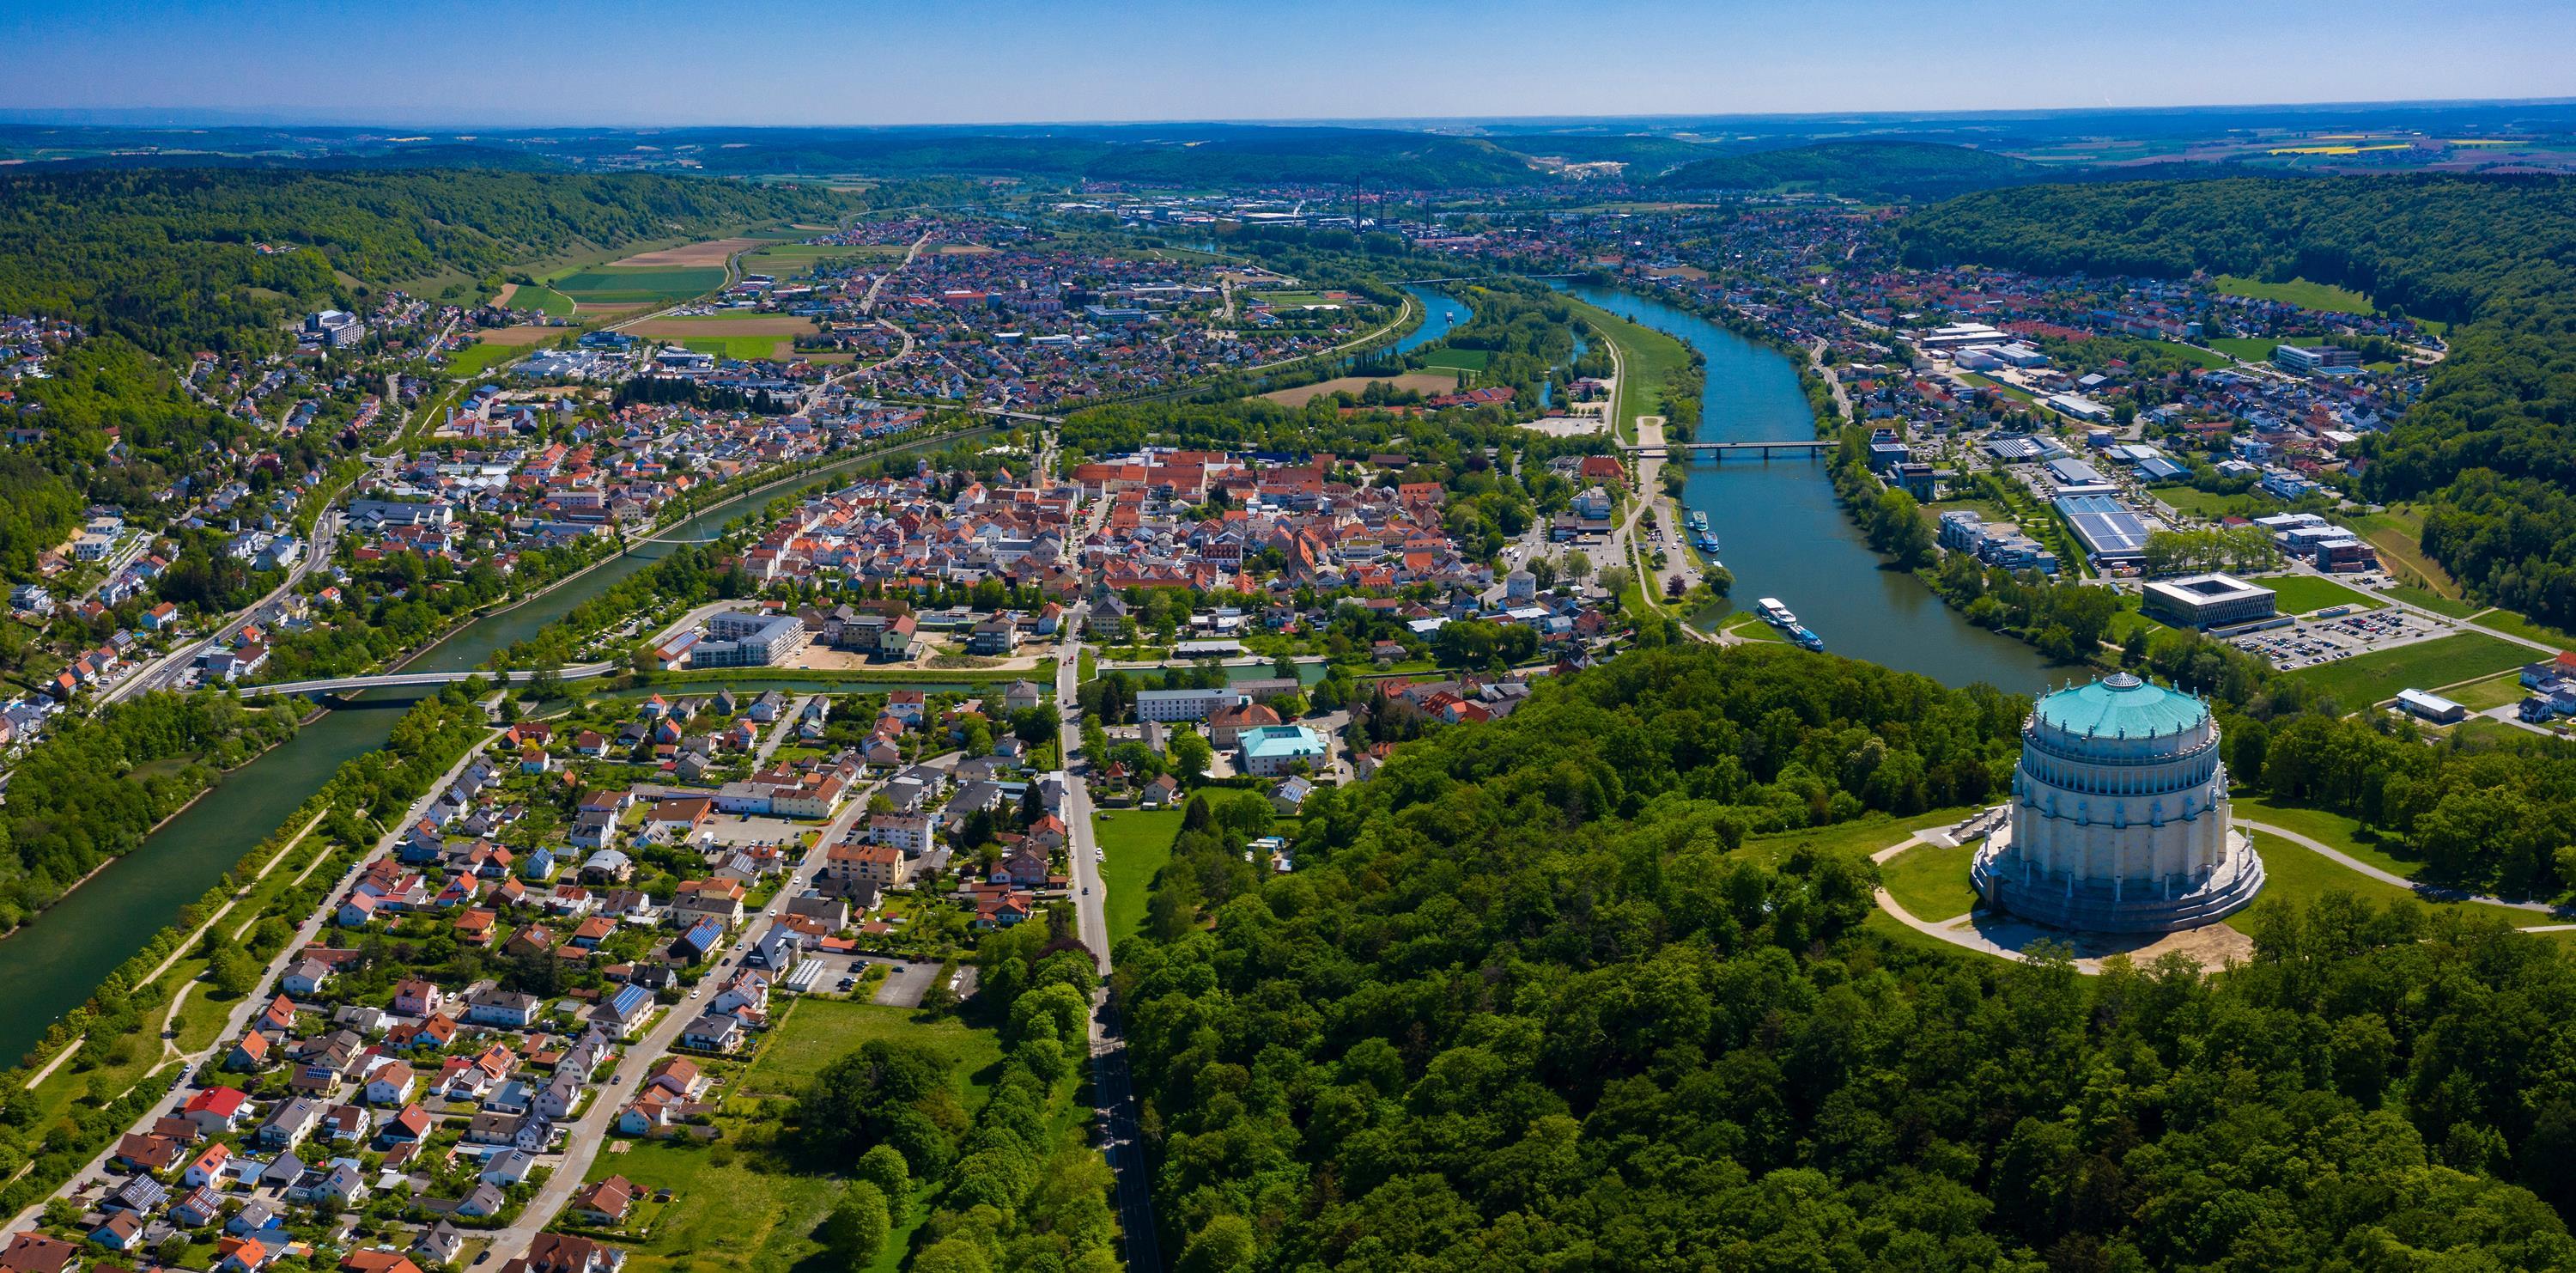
1783,534
56,961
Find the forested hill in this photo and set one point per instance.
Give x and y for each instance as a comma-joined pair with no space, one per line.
1859,170
1525,1003
1180,154
2497,253
172,259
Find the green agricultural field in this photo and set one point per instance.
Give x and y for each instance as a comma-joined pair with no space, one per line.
1462,359
2244,348
2299,594
474,360
794,260
1135,844
2363,680
648,285
1930,881
2299,292
819,1031
544,300
743,347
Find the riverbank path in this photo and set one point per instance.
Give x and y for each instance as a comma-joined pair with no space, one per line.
250,1005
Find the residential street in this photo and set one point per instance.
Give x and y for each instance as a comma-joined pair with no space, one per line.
585,1135
251,1004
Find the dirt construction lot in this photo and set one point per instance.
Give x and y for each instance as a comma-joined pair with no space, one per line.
1418,381
714,252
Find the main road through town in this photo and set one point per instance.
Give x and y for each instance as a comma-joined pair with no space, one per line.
1113,1096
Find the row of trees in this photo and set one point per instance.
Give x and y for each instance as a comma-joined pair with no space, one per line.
93,789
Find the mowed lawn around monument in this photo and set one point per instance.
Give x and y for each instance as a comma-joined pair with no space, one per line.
1931,881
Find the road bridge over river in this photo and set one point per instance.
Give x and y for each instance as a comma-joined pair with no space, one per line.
1723,449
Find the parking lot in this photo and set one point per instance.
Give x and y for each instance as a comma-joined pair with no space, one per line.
2311,642
906,980
904,987
738,829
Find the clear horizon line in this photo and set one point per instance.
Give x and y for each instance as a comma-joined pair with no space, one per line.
258,117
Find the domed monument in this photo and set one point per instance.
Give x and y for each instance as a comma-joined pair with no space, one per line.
2119,816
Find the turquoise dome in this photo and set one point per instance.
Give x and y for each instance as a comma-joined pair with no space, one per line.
2121,706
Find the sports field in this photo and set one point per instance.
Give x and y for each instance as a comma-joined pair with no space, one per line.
616,285
746,348
2299,292
2365,679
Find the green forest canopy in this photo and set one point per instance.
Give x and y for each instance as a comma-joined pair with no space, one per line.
1858,169
1525,1003
2493,440
172,259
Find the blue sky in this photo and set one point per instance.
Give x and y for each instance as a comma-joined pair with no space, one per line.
967,61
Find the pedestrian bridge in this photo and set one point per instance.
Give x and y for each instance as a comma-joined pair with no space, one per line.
411,680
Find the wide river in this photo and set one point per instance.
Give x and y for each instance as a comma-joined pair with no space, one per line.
55,963
1783,534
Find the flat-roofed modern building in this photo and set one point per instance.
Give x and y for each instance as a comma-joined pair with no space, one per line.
2311,359
735,639
2208,601
1190,704
2112,533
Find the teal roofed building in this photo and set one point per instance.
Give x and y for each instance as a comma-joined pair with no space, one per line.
1270,751
2120,816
